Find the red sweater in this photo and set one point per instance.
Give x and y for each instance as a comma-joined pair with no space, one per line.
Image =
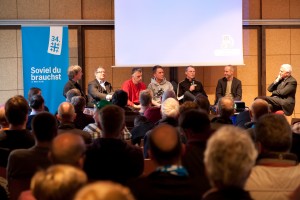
133,91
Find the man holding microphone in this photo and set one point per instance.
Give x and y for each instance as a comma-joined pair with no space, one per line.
189,87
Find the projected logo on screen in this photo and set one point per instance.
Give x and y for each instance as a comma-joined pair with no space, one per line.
227,47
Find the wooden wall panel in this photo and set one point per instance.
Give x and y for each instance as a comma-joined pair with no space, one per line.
278,41
250,42
66,9
275,9
8,43
295,40
98,43
294,9
95,9
33,9
251,9
8,9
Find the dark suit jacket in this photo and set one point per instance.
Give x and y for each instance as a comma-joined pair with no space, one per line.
285,90
96,92
236,89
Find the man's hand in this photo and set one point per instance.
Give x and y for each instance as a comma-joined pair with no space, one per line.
277,79
192,87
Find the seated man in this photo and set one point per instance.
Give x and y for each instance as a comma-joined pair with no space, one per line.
283,91
16,137
159,84
277,171
189,88
99,88
133,87
229,157
225,109
170,180
229,86
110,157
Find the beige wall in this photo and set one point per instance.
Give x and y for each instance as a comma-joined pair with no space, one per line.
282,44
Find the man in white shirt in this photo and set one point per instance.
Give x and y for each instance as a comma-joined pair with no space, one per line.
99,88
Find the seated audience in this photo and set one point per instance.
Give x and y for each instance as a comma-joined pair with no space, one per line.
225,111
72,93
141,126
36,104
229,157
66,116
68,149
170,180
59,182
104,190
195,125
81,120
277,171
35,91
4,125
119,98
110,157
145,100
203,103
23,163
16,137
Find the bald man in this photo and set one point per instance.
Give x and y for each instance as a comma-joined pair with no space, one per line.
68,148
225,109
66,116
170,180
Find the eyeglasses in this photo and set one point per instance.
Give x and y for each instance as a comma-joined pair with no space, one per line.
101,72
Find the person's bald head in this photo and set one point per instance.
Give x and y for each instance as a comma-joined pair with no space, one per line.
164,145
226,107
68,148
66,112
258,108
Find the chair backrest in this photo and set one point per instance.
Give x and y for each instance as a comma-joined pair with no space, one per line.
4,153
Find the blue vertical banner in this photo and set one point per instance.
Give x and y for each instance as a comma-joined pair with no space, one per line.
45,62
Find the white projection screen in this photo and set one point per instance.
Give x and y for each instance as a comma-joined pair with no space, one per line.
178,33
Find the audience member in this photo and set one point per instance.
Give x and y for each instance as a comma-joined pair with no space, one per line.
99,88
283,91
81,120
195,125
68,149
23,163
189,88
277,172
141,127
225,110
72,93
36,104
188,105
133,87
145,100
170,180
229,86
120,98
110,157
59,182
258,108
66,116
16,137
104,190
35,91
74,74
229,157
4,125
202,102
158,84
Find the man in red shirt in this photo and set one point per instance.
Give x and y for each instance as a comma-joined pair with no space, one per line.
133,87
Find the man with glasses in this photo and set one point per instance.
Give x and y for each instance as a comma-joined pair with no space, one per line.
99,89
